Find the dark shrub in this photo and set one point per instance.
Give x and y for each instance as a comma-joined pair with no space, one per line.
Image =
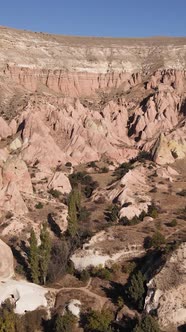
55,193
111,213
104,170
173,223
84,276
122,170
156,241
39,205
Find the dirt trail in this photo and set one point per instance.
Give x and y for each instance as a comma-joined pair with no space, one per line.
84,289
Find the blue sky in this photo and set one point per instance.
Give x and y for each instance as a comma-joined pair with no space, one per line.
117,18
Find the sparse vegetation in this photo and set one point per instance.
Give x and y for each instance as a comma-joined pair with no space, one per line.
120,302
55,193
142,156
104,170
156,241
112,213
83,214
173,223
92,164
101,272
152,211
83,182
134,221
123,169
84,275
39,205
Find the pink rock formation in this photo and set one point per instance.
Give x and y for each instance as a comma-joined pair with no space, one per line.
174,78
60,182
69,83
15,170
6,262
11,199
5,130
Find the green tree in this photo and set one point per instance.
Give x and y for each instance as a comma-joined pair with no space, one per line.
99,321
147,324
7,318
77,198
44,250
136,290
34,257
157,240
112,213
64,323
73,204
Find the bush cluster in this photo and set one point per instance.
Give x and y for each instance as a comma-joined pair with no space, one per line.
85,181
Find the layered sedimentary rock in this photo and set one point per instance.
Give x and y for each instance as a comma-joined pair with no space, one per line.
72,84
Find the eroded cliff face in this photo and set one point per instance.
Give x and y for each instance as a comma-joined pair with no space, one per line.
167,291
150,116
70,83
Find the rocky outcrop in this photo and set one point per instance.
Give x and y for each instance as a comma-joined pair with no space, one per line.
15,170
56,129
74,306
6,261
131,192
173,78
160,113
60,182
168,148
109,247
5,130
24,295
167,291
11,199
59,130
14,179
